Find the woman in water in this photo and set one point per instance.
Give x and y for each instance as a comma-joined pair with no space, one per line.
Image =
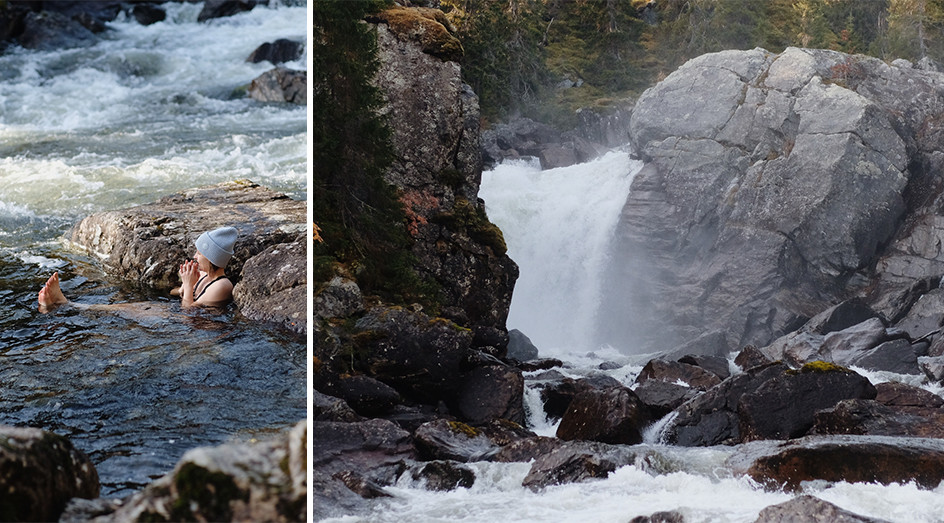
203,281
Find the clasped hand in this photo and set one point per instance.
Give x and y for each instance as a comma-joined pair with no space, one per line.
189,274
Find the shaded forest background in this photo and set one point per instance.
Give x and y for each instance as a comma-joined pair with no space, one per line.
545,58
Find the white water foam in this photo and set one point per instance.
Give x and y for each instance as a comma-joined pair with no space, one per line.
558,225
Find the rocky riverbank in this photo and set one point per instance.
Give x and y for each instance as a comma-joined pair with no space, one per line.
787,208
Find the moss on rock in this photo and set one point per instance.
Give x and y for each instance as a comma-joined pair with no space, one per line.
426,26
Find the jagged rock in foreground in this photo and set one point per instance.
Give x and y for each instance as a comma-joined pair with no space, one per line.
39,473
776,186
262,481
147,243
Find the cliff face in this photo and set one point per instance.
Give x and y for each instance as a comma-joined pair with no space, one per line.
435,122
428,356
776,186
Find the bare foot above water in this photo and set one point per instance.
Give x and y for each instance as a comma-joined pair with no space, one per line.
51,294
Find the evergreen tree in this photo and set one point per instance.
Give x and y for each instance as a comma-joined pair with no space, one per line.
360,218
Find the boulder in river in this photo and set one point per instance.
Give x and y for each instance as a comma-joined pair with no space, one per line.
39,473
221,8
280,85
810,508
277,52
608,415
854,459
783,407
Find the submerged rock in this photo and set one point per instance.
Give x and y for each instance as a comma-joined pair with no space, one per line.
39,473
577,461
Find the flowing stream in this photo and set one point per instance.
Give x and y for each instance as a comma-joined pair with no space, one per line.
558,225
146,112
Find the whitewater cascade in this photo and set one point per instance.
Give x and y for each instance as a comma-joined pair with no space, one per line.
558,225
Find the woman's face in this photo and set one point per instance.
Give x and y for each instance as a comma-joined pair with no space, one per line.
203,263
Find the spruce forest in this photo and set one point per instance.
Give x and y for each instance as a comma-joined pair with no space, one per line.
546,58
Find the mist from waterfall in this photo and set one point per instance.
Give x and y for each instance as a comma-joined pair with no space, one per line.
558,225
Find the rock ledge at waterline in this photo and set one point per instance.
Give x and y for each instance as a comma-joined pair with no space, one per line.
147,243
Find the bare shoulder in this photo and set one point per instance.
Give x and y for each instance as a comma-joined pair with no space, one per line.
220,292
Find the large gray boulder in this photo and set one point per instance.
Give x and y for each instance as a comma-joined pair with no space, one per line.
147,243
280,85
774,187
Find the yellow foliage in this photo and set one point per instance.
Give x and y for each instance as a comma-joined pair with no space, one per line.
317,231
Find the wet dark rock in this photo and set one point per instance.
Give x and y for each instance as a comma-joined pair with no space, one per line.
520,346
453,440
419,356
557,395
329,408
750,357
492,340
264,481
444,475
411,417
610,365
277,52
367,396
675,371
540,364
660,517
527,449
870,417
663,397
854,459
896,394
577,461
40,472
360,485
492,392
273,286
937,347
346,457
280,85
716,365
712,417
840,317
222,8
925,316
893,356
147,14
784,406
47,31
609,415
810,508
933,367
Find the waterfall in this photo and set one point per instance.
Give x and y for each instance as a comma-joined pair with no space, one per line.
558,225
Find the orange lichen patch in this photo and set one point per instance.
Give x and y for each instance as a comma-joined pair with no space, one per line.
418,205
426,26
